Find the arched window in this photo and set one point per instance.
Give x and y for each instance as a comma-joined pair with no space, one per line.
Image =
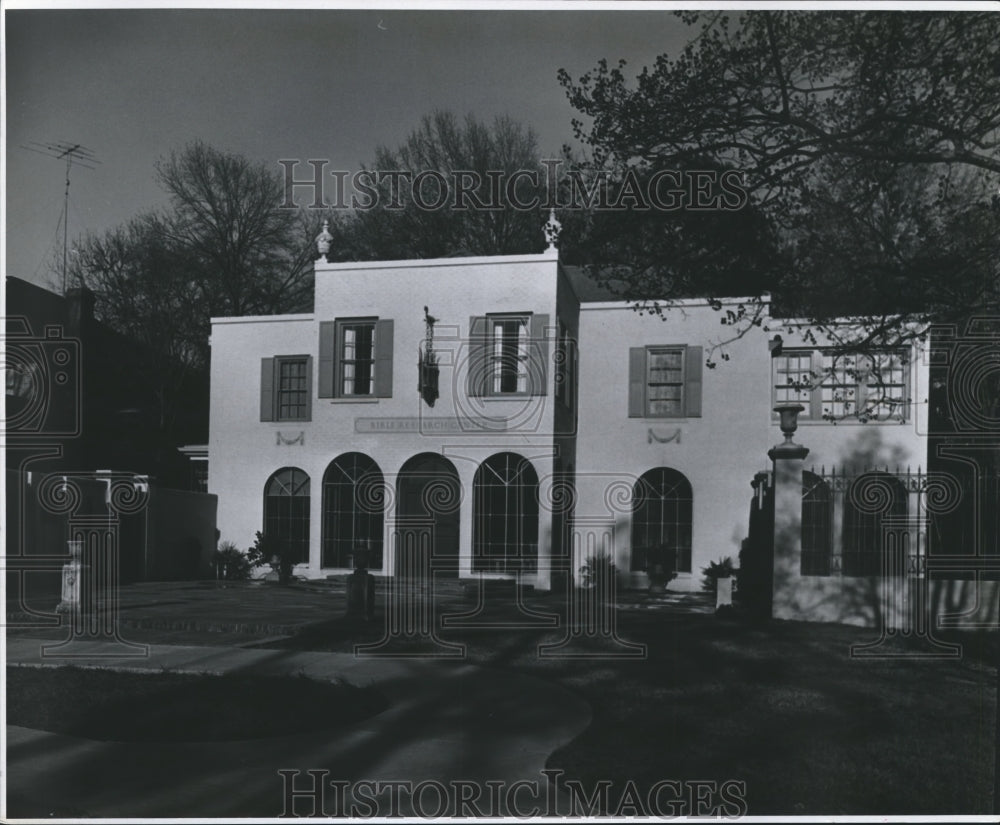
353,503
817,522
505,520
871,499
661,518
286,511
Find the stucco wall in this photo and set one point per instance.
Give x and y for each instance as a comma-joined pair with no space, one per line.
718,452
849,442
244,451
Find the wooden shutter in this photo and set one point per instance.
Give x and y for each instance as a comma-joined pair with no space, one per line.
478,355
309,387
538,354
383,358
327,360
267,389
637,382
693,358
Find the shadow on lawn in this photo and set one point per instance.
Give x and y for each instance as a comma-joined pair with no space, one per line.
780,706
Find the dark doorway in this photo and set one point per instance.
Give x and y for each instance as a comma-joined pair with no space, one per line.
428,500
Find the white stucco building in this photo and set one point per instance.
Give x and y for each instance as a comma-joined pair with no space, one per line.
564,424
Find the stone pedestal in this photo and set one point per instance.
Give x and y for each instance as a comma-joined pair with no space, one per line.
77,596
723,592
788,460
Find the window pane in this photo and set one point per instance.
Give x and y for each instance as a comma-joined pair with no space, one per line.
661,519
793,380
286,512
352,512
292,389
509,366
505,515
665,382
357,359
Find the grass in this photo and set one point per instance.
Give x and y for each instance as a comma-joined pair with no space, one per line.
123,706
782,707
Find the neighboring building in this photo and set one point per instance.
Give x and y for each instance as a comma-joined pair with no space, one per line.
86,404
552,423
109,403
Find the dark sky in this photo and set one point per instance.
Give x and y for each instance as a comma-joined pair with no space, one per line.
132,85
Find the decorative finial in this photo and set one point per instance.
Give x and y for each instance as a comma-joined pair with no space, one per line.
552,230
323,240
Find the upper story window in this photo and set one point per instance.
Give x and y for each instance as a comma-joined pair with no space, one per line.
833,386
293,389
665,381
356,362
355,358
508,355
286,388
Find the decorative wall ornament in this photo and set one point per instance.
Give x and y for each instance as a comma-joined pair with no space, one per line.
552,229
289,440
663,439
323,240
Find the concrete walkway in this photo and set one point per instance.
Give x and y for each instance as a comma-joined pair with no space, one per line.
445,722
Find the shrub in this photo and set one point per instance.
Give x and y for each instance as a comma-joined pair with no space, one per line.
265,550
723,568
231,563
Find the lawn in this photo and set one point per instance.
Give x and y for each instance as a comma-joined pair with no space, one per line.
120,706
782,707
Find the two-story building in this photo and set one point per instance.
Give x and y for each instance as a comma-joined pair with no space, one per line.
524,420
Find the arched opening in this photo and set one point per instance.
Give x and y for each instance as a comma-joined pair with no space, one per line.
286,512
662,505
505,507
817,524
870,500
353,504
429,497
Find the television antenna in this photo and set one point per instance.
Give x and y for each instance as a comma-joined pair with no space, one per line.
72,153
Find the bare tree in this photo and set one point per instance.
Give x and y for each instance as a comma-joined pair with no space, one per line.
227,217
482,221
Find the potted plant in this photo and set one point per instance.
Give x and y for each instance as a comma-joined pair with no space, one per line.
661,567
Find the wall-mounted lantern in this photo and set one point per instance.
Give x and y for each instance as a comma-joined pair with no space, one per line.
428,371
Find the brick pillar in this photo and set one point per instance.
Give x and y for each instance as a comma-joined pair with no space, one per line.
788,458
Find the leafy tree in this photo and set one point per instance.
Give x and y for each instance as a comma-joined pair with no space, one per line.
868,144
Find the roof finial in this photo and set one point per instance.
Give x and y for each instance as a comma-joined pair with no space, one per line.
323,241
552,230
